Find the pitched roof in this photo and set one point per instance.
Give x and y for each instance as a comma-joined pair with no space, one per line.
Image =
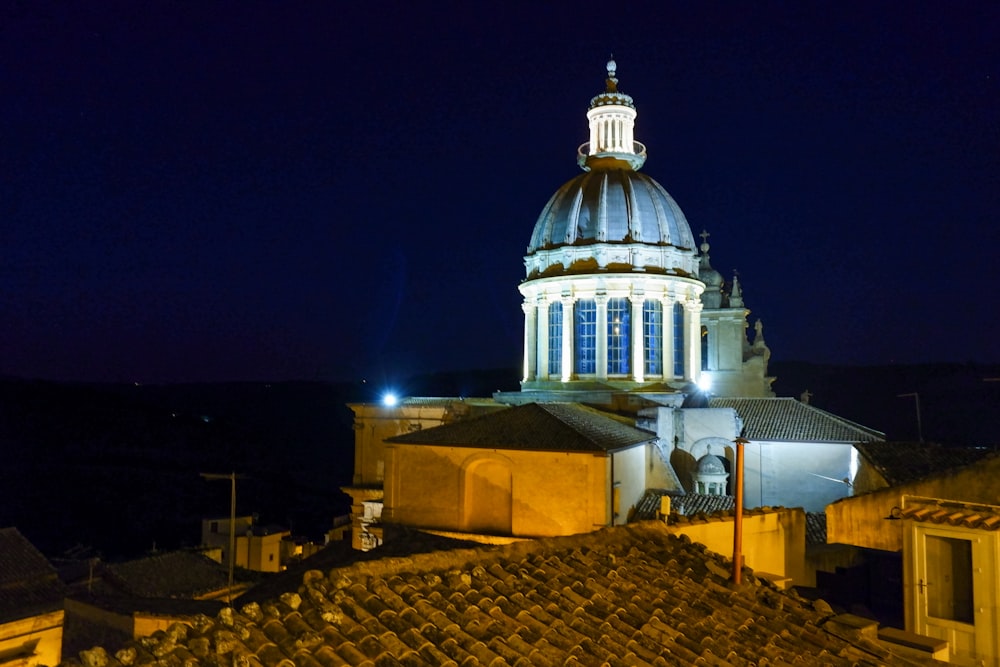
815,527
630,595
905,462
789,420
175,574
568,427
702,503
29,585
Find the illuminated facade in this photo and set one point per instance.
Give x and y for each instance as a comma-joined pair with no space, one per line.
613,295
623,313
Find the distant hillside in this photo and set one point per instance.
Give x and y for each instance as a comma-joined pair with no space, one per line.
959,405
116,467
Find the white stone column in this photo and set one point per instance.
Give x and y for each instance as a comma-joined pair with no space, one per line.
638,357
602,336
692,339
529,340
667,326
568,325
542,358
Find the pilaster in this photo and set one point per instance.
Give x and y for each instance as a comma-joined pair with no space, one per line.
602,336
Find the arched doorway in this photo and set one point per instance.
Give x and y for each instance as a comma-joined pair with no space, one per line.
487,483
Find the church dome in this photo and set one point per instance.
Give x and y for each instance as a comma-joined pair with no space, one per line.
611,206
611,218
710,464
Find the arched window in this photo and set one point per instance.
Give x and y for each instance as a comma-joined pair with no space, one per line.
678,340
586,336
652,336
619,311
555,337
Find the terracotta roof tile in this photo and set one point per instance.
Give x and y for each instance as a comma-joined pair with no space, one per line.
815,527
904,462
952,513
180,574
631,595
542,426
789,420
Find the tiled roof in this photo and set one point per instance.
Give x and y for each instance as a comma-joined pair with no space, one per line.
29,585
175,574
789,420
630,595
815,527
568,427
954,514
905,462
648,507
702,503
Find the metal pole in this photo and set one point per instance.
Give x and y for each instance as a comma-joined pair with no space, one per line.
232,534
232,477
738,515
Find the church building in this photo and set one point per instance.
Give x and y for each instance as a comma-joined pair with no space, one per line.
631,338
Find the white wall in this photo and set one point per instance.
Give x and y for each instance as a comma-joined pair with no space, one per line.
790,474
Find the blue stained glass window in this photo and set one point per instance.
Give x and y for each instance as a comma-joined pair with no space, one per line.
586,336
619,312
555,338
652,336
678,340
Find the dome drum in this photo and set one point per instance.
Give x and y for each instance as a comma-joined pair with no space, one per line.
639,257
612,285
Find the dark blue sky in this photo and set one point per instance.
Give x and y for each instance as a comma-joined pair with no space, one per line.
216,191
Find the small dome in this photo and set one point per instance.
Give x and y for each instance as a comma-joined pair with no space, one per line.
710,464
611,206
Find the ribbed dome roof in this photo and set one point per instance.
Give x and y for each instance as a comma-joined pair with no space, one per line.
611,206
710,464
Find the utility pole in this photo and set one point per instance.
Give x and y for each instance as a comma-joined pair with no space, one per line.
232,524
738,514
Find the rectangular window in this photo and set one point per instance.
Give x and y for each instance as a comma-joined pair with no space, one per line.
678,340
652,336
586,336
619,335
555,338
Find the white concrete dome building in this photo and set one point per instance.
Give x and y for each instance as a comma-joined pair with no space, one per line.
611,294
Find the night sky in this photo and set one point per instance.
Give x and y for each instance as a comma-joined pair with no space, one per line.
206,191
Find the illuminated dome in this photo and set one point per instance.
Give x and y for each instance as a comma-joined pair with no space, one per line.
611,295
614,206
611,217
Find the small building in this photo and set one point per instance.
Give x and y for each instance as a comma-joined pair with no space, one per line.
262,548
373,424
951,582
797,455
892,470
527,471
31,604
